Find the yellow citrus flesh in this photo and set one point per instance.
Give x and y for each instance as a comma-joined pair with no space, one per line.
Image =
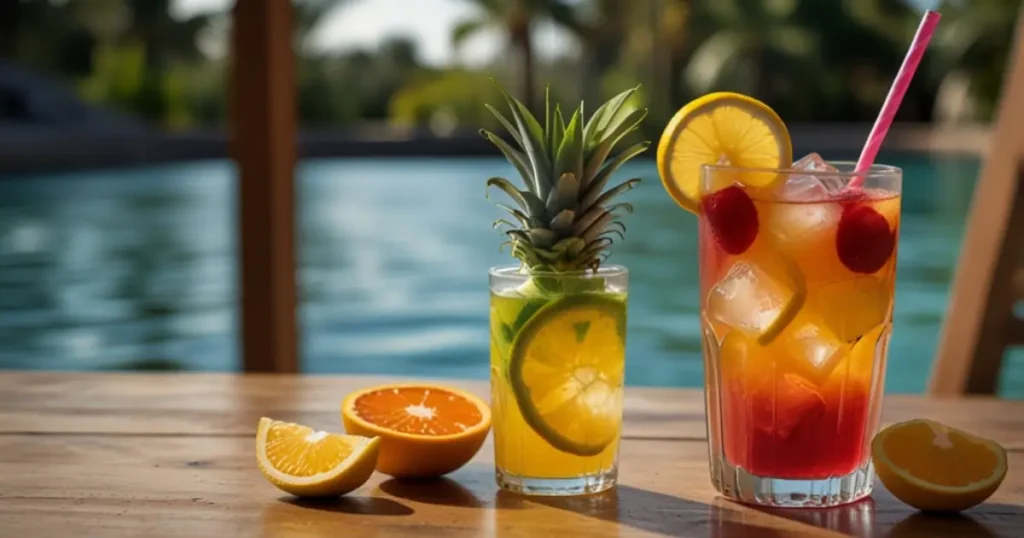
721,128
933,467
786,316
567,369
852,307
309,463
425,430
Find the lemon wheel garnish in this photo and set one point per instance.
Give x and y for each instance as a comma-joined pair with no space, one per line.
566,370
310,463
721,127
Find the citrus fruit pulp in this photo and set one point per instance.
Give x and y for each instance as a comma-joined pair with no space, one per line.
721,128
934,467
425,430
865,301
566,370
310,463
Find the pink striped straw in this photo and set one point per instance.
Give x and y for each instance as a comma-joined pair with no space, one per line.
896,93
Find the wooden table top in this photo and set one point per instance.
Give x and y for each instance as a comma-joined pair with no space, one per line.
168,455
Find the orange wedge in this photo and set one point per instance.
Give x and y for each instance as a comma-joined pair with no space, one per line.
425,430
935,468
310,463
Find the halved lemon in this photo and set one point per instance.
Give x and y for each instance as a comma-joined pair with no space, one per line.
933,467
425,430
310,463
566,369
721,127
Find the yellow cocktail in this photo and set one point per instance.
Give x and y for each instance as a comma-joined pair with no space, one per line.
557,369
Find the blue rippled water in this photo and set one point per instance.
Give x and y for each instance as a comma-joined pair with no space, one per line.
134,269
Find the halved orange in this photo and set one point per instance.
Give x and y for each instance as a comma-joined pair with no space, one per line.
934,467
425,430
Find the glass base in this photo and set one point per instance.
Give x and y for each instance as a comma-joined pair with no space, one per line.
557,487
737,484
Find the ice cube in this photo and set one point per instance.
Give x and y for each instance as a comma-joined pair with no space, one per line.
748,299
813,350
792,223
805,211
813,162
811,187
802,189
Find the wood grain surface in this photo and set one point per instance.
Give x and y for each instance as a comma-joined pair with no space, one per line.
173,455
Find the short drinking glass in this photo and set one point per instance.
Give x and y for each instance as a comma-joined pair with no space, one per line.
558,350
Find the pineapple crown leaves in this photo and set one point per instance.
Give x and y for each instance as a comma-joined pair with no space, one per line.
564,220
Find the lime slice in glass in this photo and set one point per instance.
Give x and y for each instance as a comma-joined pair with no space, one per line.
566,369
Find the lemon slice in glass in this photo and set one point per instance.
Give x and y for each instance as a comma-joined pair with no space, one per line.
566,369
721,127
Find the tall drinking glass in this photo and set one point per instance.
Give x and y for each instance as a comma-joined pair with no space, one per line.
796,327
558,357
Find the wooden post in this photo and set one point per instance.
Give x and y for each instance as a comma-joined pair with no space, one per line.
262,103
980,322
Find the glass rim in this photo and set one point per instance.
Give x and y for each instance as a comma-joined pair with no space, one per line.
513,271
876,170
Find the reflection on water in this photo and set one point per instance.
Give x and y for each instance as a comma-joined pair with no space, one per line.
131,269
135,269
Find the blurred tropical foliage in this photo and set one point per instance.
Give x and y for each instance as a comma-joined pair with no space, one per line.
812,60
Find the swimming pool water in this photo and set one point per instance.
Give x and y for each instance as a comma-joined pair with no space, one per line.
135,268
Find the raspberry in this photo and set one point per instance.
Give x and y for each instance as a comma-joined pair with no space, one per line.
864,241
732,217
